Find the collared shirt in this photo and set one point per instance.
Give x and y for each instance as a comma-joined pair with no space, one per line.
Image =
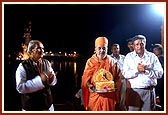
149,77
120,60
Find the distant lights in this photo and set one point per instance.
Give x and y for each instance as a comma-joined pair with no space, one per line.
64,54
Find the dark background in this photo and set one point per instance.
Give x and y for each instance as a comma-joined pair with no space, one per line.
74,27
68,28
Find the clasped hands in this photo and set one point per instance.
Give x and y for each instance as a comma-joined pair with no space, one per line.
47,77
141,67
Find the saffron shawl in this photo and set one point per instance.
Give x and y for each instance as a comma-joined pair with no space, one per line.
100,101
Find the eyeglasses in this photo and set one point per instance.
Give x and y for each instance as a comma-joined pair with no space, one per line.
103,48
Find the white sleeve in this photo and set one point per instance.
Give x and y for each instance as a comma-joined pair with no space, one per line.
129,69
55,78
27,86
155,69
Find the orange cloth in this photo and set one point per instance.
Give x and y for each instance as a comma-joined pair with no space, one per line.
100,101
101,41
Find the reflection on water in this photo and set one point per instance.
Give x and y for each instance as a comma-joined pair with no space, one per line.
69,79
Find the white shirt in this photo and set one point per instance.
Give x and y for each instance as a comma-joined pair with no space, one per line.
32,85
141,80
120,60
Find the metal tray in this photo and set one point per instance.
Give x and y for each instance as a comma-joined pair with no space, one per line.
105,91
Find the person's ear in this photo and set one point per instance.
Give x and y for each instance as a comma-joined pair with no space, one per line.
95,50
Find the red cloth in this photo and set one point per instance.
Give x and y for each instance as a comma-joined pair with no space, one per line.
100,101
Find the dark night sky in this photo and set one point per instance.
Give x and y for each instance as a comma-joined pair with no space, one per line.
69,27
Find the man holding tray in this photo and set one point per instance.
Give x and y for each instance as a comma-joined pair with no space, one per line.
101,79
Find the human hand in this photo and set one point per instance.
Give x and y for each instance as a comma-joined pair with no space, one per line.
91,87
77,95
47,77
44,77
141,67
50,76
157,100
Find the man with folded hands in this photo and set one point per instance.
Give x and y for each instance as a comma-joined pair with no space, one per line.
141,68
34,76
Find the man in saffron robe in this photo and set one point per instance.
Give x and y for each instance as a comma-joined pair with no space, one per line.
94,101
